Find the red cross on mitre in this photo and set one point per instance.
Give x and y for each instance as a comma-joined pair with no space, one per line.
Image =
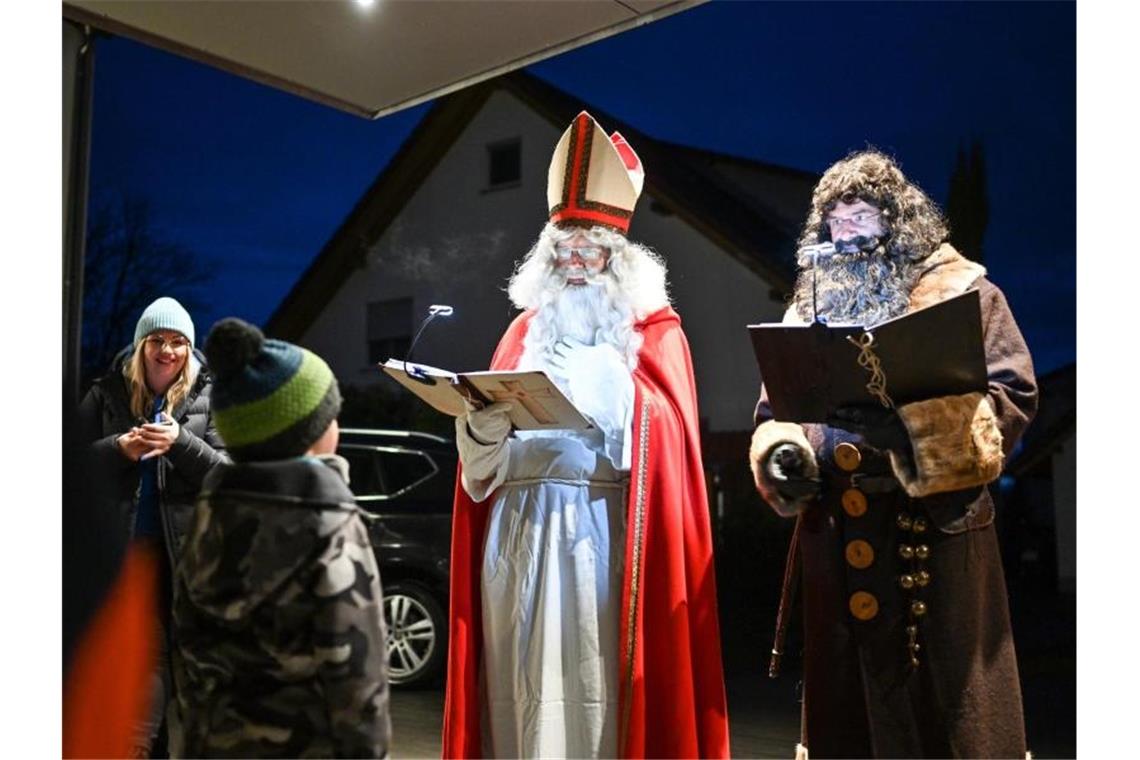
594,180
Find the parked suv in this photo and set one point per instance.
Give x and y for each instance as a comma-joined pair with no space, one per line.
405,482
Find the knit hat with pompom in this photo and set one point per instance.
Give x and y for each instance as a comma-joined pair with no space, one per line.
271,399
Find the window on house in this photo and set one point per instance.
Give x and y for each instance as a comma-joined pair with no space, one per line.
504,160
389,328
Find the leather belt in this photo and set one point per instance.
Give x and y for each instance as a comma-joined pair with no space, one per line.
873,483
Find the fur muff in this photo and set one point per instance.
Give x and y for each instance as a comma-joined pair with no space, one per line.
767,436
956,442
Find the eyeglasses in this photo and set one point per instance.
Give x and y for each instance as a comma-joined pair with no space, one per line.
588,253
835,222
157,343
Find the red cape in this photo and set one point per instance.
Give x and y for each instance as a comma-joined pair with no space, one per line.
671,698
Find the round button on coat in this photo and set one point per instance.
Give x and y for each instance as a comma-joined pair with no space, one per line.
859,554
854,502
847,456
863,605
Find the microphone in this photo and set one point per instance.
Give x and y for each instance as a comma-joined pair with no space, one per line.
435,310
816,252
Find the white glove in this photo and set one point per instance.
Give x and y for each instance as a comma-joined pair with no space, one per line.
481,438
489,425
598,381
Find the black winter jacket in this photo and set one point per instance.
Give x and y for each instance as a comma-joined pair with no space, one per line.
105,414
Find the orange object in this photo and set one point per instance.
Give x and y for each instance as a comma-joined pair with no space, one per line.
107,691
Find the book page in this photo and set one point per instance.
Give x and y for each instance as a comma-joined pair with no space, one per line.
435,386
537,403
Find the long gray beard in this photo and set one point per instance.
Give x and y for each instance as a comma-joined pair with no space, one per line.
592,314
578,312
864,288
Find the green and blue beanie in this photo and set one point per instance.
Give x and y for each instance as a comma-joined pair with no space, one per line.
271,399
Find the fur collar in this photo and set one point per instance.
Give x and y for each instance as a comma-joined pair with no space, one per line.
946,274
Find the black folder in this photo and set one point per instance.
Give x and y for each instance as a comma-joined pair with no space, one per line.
812,370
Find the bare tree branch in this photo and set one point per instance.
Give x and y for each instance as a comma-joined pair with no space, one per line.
130,263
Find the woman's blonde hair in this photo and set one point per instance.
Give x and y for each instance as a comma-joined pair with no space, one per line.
140,394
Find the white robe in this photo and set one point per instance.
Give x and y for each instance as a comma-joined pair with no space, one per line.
551,593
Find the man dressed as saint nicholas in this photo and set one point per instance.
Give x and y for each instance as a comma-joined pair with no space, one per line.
583,597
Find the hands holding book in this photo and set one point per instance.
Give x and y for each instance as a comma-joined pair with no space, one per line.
489,425
880,426
481,438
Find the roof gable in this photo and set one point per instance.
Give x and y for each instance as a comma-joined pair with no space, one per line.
722,197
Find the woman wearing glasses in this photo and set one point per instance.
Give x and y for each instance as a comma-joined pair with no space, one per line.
152,443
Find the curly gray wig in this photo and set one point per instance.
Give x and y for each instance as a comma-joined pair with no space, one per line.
872,284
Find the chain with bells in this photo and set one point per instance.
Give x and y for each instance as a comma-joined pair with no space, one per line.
912,550
916,577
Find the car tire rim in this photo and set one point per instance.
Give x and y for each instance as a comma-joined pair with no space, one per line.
411,637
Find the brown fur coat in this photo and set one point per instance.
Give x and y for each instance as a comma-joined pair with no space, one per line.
862,698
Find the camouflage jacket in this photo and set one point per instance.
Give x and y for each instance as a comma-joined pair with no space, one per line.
279,637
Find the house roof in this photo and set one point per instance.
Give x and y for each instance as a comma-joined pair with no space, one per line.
1056,419
750,209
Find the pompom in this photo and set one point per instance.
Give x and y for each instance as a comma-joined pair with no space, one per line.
231,345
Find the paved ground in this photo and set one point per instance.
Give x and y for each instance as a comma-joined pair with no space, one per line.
764,714
757,728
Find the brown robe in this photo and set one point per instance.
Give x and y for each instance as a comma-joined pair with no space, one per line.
862,697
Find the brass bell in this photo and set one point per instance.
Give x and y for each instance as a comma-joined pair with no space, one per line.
922,551
918,608
906,581
919,525
903,521
922,578
906,551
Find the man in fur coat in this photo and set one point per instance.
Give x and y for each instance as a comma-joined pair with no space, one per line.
907,645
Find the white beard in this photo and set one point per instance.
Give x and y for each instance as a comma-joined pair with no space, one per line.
580,313
592,314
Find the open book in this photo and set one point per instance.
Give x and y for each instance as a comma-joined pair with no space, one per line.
811,370
536,402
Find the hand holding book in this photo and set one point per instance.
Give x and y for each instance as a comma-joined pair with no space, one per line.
536,403
880,427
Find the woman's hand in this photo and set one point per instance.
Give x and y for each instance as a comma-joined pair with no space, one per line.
159,436
131,444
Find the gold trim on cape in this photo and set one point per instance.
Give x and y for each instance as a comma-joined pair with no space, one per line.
635,576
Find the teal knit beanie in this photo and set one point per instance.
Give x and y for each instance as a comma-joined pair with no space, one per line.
164,314
270,399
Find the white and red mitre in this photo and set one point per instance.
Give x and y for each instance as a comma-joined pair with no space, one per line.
594,180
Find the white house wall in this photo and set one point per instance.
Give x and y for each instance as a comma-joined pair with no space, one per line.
716,297
456,242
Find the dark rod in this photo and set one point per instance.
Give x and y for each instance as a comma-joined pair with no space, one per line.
75,214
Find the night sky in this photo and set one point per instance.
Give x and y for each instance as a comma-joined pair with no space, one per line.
256,180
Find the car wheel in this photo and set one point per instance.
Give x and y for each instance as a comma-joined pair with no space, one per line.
417,634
